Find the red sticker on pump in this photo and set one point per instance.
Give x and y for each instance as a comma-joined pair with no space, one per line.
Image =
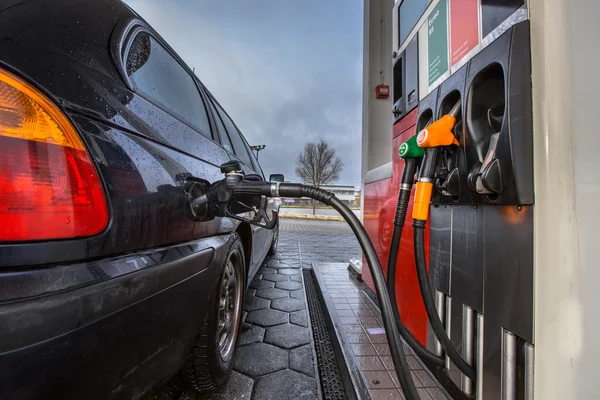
464,28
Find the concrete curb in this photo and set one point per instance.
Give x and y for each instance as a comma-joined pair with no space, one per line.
313,217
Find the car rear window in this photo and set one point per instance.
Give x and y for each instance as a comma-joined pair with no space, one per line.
157,75
225,142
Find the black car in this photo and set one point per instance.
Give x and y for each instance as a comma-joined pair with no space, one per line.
107,286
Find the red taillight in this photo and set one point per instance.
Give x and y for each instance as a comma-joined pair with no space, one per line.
49,188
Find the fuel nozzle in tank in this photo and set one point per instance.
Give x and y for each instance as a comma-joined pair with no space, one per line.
234,195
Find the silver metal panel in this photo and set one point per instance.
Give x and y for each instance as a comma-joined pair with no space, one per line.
466,276
508,286
467,256
509,366
479,359
508,269
468,339
440,245
528,370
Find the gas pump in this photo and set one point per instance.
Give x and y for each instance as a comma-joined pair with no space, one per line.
474,256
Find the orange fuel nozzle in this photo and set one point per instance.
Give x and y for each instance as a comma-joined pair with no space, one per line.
440,133
432,139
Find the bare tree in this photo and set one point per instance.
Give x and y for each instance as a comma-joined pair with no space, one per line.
318,165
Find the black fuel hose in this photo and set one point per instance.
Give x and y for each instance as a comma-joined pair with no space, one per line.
406,182
426,293
385,305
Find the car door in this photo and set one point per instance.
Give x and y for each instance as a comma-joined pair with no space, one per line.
168,135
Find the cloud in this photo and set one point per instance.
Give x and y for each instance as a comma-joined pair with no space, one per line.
287,72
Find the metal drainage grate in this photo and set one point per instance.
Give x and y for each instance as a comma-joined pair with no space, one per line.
331,380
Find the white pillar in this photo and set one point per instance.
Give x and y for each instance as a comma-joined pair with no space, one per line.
377,69
566,141
586,144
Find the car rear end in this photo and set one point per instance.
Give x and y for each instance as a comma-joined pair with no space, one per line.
104,279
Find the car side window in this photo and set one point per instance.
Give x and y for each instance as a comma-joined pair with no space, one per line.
225,142
157,75
239,148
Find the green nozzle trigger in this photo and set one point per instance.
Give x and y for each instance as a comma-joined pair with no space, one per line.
410,149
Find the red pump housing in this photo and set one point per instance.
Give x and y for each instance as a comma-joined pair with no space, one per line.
379,209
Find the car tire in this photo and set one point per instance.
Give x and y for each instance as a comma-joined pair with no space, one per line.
275,241
210,360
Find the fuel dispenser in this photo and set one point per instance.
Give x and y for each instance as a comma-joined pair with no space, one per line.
479,254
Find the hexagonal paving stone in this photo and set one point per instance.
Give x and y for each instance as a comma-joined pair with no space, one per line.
252,303
250,334
267,317
297,294
272,359
237,387
267,271
288,285
260,284
288,305
276,277
301,360
287,336
272,293
289,271
286,384
289,254
289,261
299,318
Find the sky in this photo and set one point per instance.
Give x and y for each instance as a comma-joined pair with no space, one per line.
287,72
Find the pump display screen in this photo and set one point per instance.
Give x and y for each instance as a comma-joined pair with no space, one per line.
409,13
